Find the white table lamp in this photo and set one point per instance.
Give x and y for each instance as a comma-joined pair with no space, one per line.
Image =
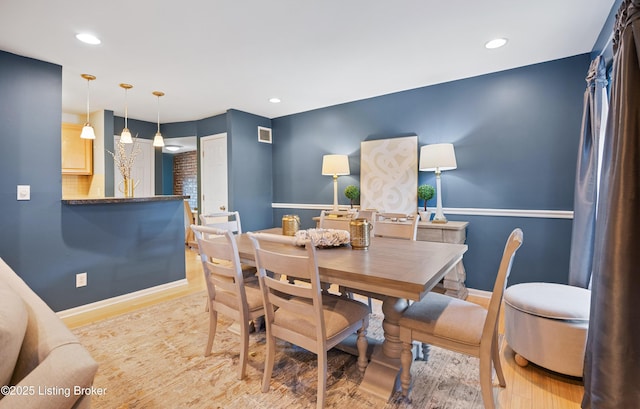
438,157
335,165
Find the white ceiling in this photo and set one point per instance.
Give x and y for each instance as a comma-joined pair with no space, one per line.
212,55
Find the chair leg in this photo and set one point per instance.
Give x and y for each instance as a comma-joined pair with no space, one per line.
268,362
486,385
495,358
244,348
322,378
213,323
406,357
362,344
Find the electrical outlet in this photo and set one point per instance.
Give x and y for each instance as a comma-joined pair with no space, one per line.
24,192
81,280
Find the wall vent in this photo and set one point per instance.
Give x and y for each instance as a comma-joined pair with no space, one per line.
264,134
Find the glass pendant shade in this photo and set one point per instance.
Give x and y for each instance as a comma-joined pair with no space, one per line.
87,130
158,141
125,136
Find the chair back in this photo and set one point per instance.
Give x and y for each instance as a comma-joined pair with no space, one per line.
370,215
491,323
336,220
278,256
223,220
188,221
396,227
221,264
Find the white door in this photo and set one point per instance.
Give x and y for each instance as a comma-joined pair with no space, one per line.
213,174
142,171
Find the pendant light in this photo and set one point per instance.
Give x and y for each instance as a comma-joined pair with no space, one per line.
157,140
87,129
125,136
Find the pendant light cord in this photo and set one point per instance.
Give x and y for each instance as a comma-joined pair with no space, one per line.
88,81
125,108
158,113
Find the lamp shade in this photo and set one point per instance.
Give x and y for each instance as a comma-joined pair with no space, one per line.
87,132
125,136
335,165
439,156
158,141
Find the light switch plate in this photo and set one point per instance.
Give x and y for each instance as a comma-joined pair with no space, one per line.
24,192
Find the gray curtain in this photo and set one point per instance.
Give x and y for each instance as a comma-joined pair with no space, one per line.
586,190
612,359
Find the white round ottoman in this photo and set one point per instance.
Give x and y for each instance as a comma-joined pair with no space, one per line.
547,323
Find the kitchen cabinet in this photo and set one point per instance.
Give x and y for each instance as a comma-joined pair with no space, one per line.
77,153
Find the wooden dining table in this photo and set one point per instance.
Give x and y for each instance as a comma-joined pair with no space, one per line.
391,270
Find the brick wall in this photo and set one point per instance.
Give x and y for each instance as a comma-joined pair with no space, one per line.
185,176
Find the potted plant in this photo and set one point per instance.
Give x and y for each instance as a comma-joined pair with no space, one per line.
425,192
352,193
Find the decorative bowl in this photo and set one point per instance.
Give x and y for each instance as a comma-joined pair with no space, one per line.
323,238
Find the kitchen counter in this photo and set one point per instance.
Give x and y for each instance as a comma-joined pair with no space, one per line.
110,200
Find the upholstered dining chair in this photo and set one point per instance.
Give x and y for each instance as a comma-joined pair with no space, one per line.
189,240
460,326
391,225
305,316
397,226
369,214
223,220
336,219
228,221
227,292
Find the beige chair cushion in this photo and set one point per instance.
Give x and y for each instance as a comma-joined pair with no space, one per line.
13,324
339,313
442,316
254,298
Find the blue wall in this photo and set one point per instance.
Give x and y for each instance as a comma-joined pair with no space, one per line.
124,248
515,134
249,162
250,170
516,138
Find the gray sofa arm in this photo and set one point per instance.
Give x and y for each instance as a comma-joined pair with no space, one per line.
63,380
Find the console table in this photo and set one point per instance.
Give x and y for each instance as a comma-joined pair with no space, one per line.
450,232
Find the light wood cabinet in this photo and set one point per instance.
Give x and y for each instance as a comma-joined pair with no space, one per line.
77,153
450,232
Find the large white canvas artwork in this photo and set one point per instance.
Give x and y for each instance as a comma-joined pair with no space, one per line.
389,175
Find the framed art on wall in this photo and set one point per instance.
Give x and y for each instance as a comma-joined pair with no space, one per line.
389,174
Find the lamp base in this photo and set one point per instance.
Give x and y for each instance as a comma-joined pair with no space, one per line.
439,216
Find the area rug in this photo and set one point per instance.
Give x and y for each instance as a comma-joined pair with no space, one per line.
153,358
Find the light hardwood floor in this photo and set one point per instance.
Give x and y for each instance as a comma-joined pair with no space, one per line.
531,387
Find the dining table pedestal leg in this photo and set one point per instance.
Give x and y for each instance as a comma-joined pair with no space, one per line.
381,376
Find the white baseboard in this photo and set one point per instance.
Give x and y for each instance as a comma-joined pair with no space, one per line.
479,293
121,298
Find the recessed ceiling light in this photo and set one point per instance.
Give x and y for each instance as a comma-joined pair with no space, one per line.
88,38
172,148
274,100
496,43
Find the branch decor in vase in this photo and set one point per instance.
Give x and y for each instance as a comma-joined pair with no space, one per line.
125,162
